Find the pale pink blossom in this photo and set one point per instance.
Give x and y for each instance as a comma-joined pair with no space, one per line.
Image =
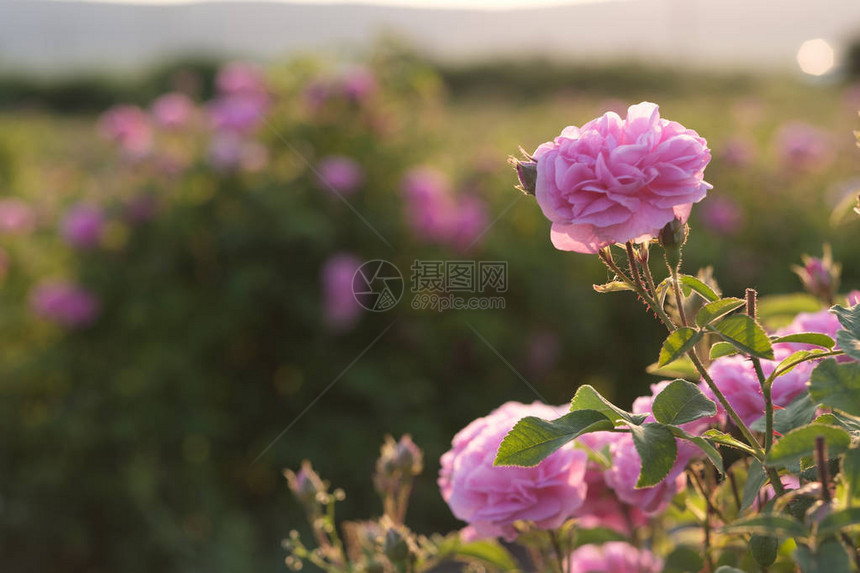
616,180
804,147
721,215
129,127
17,217
173,110
614,557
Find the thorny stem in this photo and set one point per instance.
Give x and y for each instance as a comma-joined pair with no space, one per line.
556,549
679,300
634,271
697,482
759,453
734,484
821,465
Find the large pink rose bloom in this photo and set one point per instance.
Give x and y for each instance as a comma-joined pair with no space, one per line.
492,498
736,378
616,180
614,557
624,473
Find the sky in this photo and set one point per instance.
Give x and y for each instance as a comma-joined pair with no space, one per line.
447,4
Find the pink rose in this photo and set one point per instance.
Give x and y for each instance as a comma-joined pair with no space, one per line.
358,84
16,217
82,226
436,215
64,303
340,309
721,215
339,173
491,498
736,378
804,147
128,126
624,473
173,111
615,180
614,557
240,78
602,507
823,322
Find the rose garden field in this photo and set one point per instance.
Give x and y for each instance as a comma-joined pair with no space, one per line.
658,371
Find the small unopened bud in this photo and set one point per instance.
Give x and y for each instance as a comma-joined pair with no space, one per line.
526,173
395,546
305,484
398,460
820,277
672,238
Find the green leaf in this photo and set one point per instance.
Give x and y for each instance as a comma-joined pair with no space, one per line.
714,310
756,478
677,344
587,398
745,334
488,551
849,344
657,449
814,338
850,475
788,363
830,557
531,440
613,286
767,524
707,448
839,520
837,385
776,311
694,284
800,443
680,368
684,559
681,402
720,349
725,439
849,318
799,413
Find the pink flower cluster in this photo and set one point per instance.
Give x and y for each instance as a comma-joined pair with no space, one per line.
436,215
614,557
804,147
64,303
130,128
492,499
616,180
17,217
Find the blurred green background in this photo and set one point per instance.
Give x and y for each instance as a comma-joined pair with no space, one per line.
130,444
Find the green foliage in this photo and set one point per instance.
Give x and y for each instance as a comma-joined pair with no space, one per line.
587,398
829,557
531,440
764,549
681,402
656,446
714,310
799,444
837,386
744,334
678,344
